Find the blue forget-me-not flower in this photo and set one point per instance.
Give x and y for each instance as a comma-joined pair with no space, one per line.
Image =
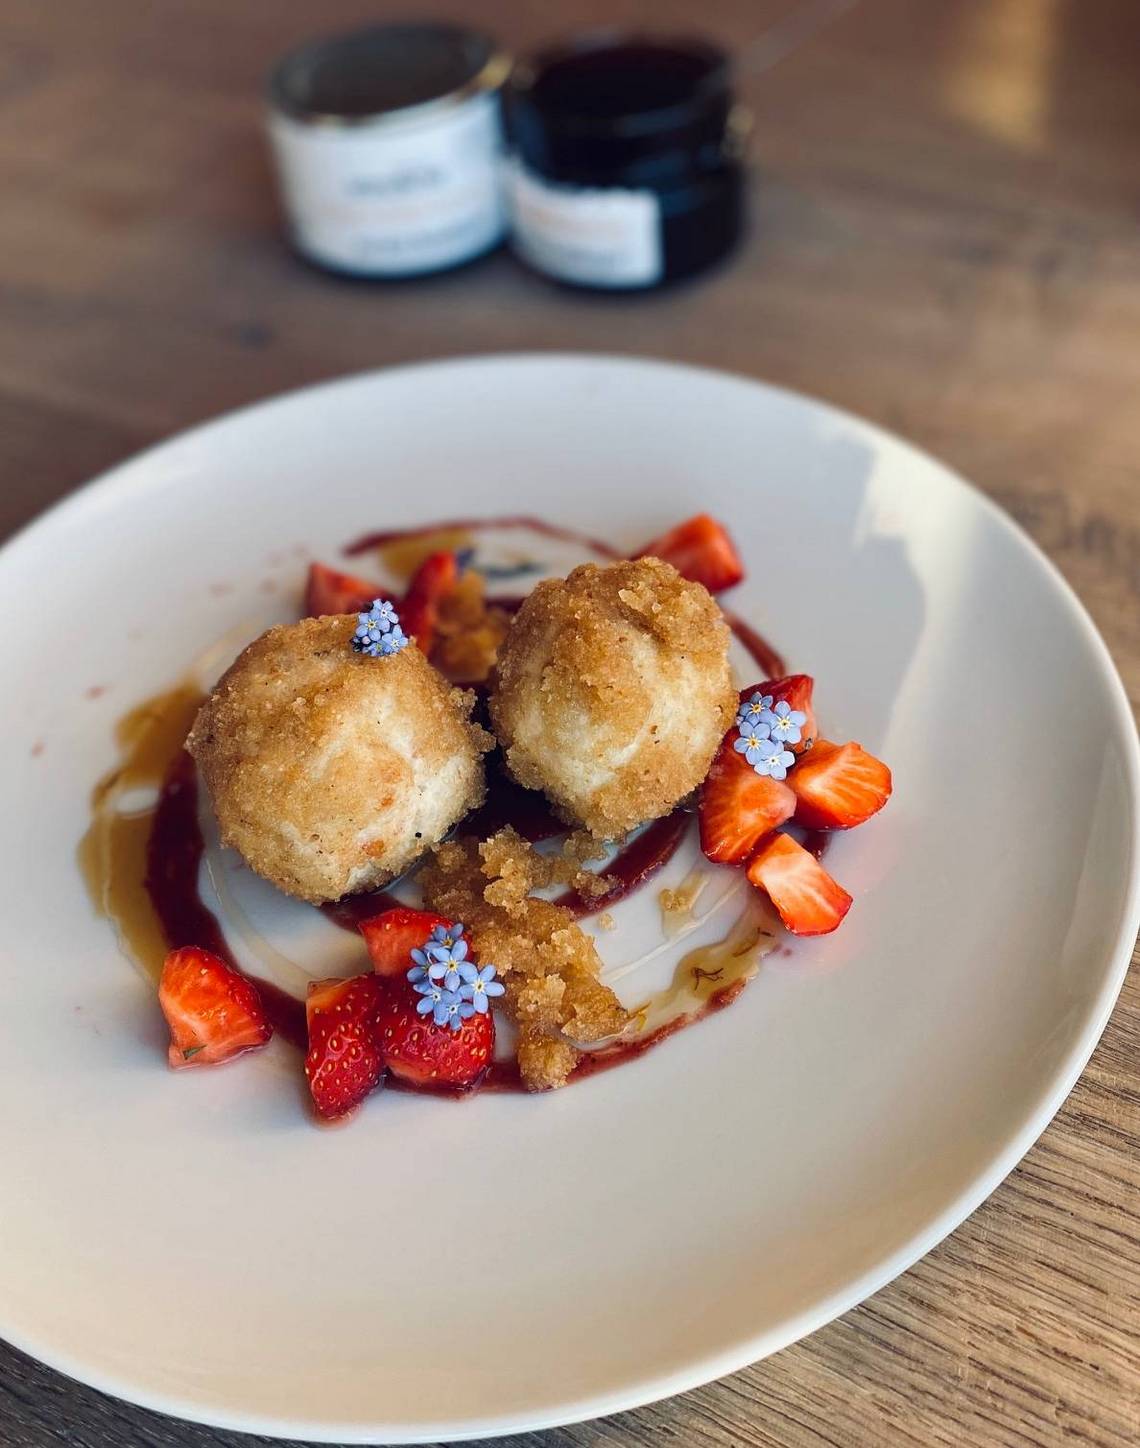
478,985
378,630
751,712
784,723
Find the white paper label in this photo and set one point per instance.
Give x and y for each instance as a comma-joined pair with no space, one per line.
595,236
391,199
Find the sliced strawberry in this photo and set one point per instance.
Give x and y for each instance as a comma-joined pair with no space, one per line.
328,591
838,786
426,1055
393,936
700,549
795,690
213,1012
432,581
344,1062
808,899
737,806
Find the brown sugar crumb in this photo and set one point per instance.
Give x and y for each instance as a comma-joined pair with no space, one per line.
515,869
581,846
548,964
577,849
545,1062
591,886
469,632
607,921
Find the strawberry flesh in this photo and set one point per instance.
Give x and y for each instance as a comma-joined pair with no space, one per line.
213,1012
392,936
809,901
344,1062
838,786
433,1057
699,549
328,591
795,690
737,807
432,581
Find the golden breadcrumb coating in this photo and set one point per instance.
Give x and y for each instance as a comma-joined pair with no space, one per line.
330,771
612,691
548,964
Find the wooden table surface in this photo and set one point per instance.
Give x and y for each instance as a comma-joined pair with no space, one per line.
945,238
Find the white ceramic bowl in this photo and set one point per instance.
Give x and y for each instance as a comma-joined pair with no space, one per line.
192,1242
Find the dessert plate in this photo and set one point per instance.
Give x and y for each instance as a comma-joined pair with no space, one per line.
444,1270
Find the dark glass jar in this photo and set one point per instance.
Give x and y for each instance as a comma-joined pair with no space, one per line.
626,168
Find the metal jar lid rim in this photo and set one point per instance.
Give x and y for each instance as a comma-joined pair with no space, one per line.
490,77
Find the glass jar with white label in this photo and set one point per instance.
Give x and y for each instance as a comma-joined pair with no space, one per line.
388,144
626,166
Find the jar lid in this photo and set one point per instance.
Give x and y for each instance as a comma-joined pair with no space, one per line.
610,100
385,73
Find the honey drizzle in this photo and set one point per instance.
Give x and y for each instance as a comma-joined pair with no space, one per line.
707,973
112,854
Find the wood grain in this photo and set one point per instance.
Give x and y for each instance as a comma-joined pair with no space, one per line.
944,239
